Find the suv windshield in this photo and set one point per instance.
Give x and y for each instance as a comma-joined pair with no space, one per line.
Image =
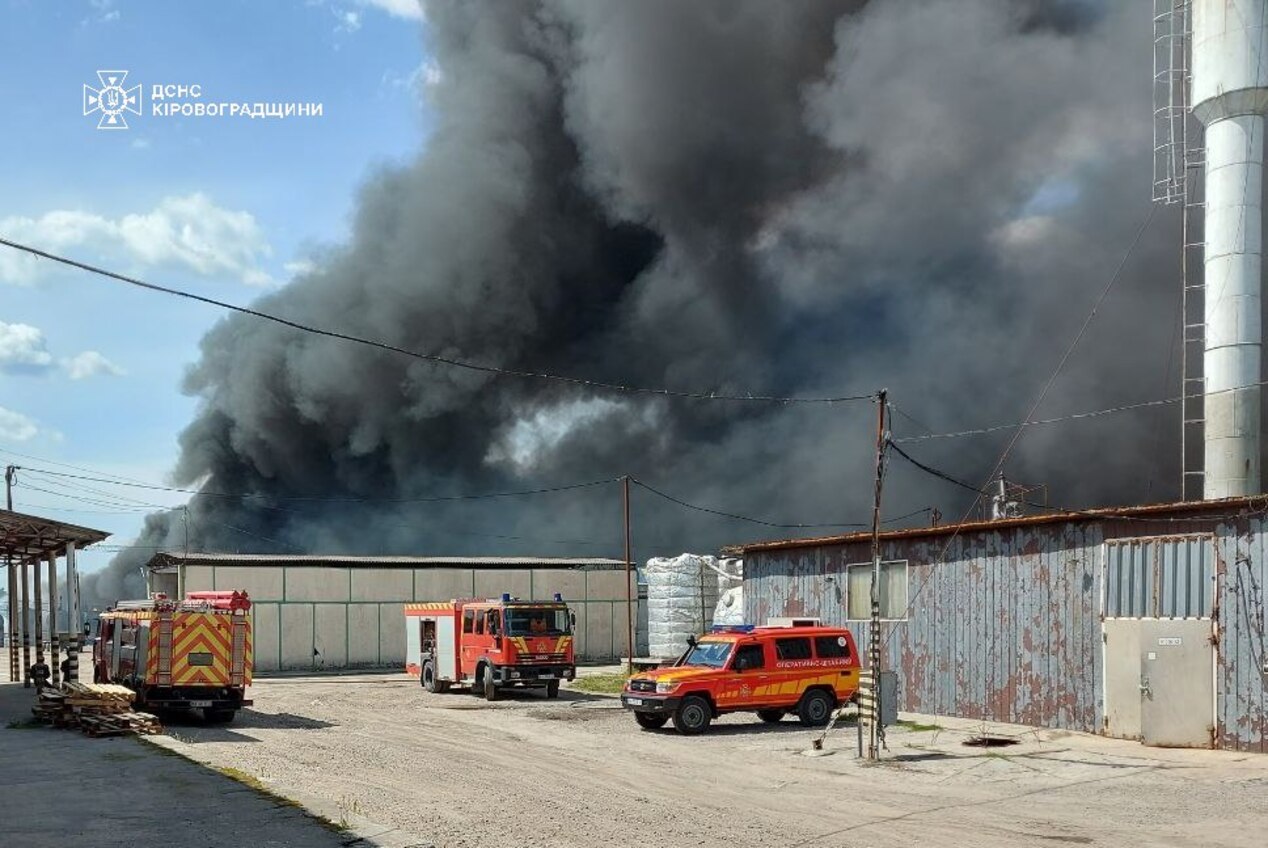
711,654
537,622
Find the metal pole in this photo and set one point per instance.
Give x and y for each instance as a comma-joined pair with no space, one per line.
74,622
55,662
13,587
39,611
26,624
629,579
874,648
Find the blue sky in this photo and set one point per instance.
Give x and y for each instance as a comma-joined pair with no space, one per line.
224,206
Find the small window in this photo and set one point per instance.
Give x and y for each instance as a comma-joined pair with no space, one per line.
494,618
479,624
892,590
749,657
794,648
831,647
468,621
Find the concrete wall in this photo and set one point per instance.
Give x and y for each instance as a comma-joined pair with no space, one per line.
327,618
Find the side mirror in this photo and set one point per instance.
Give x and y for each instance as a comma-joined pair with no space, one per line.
572,619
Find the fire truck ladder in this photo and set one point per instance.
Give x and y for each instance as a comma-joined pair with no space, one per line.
1179,177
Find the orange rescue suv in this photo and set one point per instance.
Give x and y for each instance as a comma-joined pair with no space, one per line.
771,671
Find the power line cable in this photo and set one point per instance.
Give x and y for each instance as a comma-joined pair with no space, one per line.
318,499
733,515
429,357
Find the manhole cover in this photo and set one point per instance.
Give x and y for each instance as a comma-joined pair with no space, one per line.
989,742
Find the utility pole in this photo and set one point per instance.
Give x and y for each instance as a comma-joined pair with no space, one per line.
629,580
875,735
13,586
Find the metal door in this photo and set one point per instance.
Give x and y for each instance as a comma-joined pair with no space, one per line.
1122,677
1177,686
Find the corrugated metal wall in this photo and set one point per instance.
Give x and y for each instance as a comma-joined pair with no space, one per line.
1006,624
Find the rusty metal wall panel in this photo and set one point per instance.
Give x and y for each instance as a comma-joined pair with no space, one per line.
1241,673
1007,625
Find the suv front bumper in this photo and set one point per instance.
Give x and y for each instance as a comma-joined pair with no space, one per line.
643,702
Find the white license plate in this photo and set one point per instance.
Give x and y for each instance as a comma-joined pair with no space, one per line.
200,704
634,702
546,675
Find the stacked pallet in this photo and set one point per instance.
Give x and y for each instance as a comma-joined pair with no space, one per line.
96,709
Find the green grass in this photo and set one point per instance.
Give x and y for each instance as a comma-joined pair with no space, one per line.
917,727
602,684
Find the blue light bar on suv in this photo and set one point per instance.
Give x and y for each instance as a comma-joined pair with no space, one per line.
733,628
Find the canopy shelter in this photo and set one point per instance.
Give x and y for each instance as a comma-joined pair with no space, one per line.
28,542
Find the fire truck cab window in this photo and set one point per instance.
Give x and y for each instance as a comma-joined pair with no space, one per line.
796,648
537,622
468,621
479,624
491,626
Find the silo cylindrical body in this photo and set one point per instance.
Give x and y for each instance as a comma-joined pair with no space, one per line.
1230,96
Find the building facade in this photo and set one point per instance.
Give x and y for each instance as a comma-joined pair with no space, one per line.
1143,622
334,612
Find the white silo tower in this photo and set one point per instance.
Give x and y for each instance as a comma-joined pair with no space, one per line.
1229,93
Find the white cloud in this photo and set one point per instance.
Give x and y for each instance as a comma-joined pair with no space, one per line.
16,427
349,22
22,349
411,9
188,231
90,363
299,267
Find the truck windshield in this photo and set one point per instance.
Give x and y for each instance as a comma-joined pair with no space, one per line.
537,622
711,654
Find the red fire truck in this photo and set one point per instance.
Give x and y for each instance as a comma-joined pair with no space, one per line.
193,653
490,645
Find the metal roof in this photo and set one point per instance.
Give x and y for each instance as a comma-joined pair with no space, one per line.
1157,512
172,559
32,537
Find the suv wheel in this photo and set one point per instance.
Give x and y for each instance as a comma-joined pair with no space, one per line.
771,716
552,689
692,716
815,708
651,721
428,677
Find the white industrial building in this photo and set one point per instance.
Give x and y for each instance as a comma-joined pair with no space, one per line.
333,612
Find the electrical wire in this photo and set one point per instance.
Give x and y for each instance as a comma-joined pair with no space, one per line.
318,499
429,357
732,515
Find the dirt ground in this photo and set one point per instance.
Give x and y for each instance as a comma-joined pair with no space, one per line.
459,771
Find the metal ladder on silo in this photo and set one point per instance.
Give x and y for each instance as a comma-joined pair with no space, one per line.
1179,172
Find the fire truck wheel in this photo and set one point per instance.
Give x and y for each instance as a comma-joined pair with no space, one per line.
815,708
428,677
692,716
771,716
651,721
490,686
552,689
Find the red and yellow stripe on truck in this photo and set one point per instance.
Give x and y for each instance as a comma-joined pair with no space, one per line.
206,649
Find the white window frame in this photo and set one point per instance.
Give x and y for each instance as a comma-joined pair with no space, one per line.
884,563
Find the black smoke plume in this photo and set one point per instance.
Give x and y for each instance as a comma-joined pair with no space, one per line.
735,195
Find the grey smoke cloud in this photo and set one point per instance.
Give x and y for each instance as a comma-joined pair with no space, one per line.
787,198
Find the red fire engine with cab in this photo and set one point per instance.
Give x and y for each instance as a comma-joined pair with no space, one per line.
490,645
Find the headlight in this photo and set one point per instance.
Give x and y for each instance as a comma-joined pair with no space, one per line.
664,686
